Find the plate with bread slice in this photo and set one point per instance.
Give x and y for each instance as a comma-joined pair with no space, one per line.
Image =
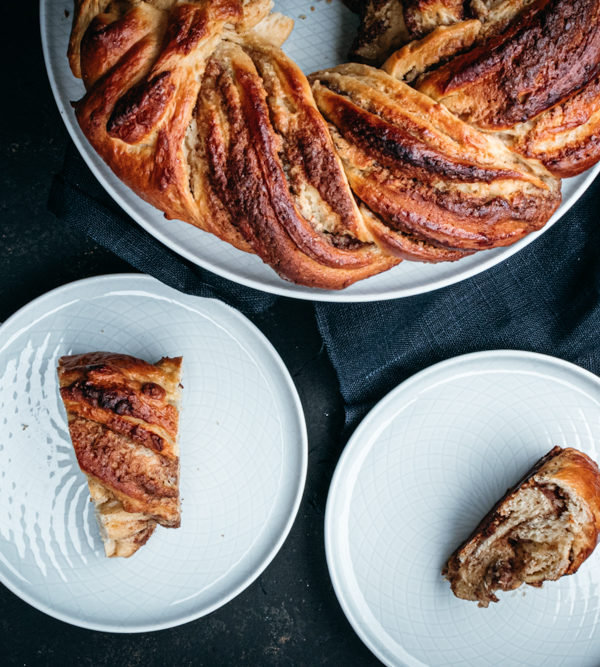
463,516
154,454
290,149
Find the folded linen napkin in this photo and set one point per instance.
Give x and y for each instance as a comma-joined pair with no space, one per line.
546,298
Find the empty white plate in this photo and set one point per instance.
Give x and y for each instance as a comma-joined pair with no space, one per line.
242,448
322,35
426,464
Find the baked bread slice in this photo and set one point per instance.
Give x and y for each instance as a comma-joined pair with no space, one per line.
123,420
542,529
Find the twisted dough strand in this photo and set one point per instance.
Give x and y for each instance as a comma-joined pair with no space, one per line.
196,108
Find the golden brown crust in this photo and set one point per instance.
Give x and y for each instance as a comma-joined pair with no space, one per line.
565,138
559,474
150,154
405,245
551,51
111,34
142,480
273,168
123,422
577,472
424,172
83,14
417,57
277,188
194,106
130,396
545,107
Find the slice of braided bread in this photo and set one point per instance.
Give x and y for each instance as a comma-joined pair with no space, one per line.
123,421
542,529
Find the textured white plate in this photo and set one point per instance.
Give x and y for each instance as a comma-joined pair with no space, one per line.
322,35
243,457
422,469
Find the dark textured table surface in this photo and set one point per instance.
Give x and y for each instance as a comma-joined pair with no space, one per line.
290,615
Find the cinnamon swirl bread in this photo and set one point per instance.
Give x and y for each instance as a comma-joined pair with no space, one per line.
207,120
194,105
388,24
123,421
536,83
528,70
425,174
542,529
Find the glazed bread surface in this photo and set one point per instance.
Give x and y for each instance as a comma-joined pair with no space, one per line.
428,177
566,138
123,422
542,529
208,121
527,70
551,51
273,167
195,106
537,83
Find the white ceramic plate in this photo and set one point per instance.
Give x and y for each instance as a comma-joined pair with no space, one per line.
322,35
426,464
243,457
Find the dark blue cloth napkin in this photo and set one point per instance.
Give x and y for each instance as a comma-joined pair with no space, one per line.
77,198
546,298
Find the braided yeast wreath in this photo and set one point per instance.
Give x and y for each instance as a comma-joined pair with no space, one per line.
196,108
528,70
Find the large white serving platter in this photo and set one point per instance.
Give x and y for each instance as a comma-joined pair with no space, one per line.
322,35
242,449
425,465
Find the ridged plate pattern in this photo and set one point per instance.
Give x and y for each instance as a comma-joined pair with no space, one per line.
243,457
